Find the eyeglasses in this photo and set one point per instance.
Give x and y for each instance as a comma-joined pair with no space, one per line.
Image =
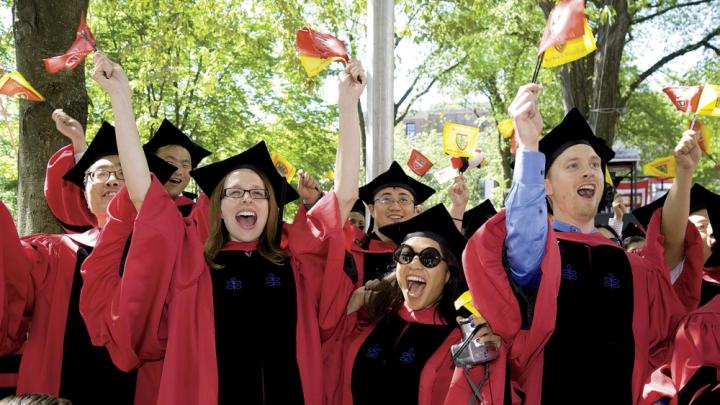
239,193
388,201
429,257
102,175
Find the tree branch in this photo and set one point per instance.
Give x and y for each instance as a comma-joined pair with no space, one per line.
641,20
667,58
427,89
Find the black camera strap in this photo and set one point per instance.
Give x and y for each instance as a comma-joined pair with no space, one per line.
477,395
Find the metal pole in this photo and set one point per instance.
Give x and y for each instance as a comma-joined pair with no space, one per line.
380,101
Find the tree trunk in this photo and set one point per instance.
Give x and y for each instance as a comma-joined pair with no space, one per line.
44,28
607,102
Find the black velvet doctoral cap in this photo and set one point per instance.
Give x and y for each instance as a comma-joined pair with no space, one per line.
169,134
255,158
395,177
432,222
573,130
475,217
358,207
104,144
631,229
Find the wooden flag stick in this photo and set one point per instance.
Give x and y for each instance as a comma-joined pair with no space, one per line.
537,68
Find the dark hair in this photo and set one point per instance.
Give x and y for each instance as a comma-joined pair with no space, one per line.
34,399
389,297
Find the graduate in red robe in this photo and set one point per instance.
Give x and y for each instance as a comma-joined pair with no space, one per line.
391,197
704,213
692,376
233,308
582,321
68,203
42,298
402,354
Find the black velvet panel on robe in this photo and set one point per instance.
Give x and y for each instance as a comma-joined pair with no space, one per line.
88,374
708,291
388,365
255,331
702,389
589,358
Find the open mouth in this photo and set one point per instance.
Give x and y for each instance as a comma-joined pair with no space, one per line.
416,286
110,194
396,218
175,181
586,191
246,219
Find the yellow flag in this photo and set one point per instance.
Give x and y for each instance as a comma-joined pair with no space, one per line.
283,166
314,65
608,178
709,101
465,300
571,50
661,167
459,140
506,128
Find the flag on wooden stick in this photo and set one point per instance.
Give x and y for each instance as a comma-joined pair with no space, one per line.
317,50
83,45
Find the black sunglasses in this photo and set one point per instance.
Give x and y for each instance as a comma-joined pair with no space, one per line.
429,257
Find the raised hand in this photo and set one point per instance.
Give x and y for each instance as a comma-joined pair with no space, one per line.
110,76
526,116
687,152
308,188
352,83
71,129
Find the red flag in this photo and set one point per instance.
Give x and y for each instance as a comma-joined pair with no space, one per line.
565,22
312,43
83,45
418,163
685,98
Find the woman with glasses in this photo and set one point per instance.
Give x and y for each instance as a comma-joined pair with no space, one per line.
229,303
403,352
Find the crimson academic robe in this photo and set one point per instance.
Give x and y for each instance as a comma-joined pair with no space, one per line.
435,369
67,201
11,257
696,350
41,304
161,309
656,307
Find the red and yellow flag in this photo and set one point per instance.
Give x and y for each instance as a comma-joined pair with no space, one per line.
565,22
317,50
663,167
83,45
283,167
709,103
419,163
459,140
685,98
14,85
573,49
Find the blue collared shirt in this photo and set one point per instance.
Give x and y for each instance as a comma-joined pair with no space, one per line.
526,220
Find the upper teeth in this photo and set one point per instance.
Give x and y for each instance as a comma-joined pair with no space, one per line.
246,213
416,279
587,187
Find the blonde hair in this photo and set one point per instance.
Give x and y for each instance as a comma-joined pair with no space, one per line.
218,235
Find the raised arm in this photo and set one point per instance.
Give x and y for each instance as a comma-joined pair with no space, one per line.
113,80
677,204
525,206
71,129
459,196
347,160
